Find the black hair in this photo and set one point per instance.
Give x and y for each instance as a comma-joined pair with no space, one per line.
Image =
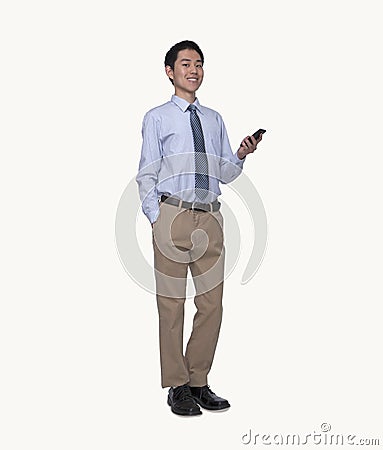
172,54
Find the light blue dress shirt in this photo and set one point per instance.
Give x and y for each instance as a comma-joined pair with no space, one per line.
167,164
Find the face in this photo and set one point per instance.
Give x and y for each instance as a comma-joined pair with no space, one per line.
187,74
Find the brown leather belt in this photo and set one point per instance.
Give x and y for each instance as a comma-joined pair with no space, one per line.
195,206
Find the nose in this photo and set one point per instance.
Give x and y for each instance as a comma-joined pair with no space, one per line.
193,69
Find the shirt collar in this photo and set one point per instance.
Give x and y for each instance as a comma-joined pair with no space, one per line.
183,104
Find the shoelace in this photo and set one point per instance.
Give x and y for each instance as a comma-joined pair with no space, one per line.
207,388
182,392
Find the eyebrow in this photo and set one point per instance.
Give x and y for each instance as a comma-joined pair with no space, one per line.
187,59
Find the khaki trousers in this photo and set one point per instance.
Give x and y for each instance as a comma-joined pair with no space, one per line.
185,239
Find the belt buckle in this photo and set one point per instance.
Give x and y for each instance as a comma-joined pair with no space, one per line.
195,207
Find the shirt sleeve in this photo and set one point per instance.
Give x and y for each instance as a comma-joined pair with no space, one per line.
149,166
230,165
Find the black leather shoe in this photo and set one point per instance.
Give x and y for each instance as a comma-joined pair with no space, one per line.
207,399
181,401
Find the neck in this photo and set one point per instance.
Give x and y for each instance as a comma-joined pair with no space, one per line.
188,96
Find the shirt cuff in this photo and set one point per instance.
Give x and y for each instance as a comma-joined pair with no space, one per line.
239,160
153,216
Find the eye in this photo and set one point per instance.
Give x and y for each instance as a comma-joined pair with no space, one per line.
185,64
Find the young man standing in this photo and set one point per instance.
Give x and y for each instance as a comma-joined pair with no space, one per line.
185,155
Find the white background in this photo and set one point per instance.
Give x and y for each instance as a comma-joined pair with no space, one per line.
301,343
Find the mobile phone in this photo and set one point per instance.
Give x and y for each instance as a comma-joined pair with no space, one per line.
258,133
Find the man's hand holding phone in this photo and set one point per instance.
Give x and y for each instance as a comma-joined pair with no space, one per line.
249,144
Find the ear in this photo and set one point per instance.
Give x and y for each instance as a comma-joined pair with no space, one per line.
169,72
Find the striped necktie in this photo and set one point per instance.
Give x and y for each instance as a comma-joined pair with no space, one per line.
201,166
